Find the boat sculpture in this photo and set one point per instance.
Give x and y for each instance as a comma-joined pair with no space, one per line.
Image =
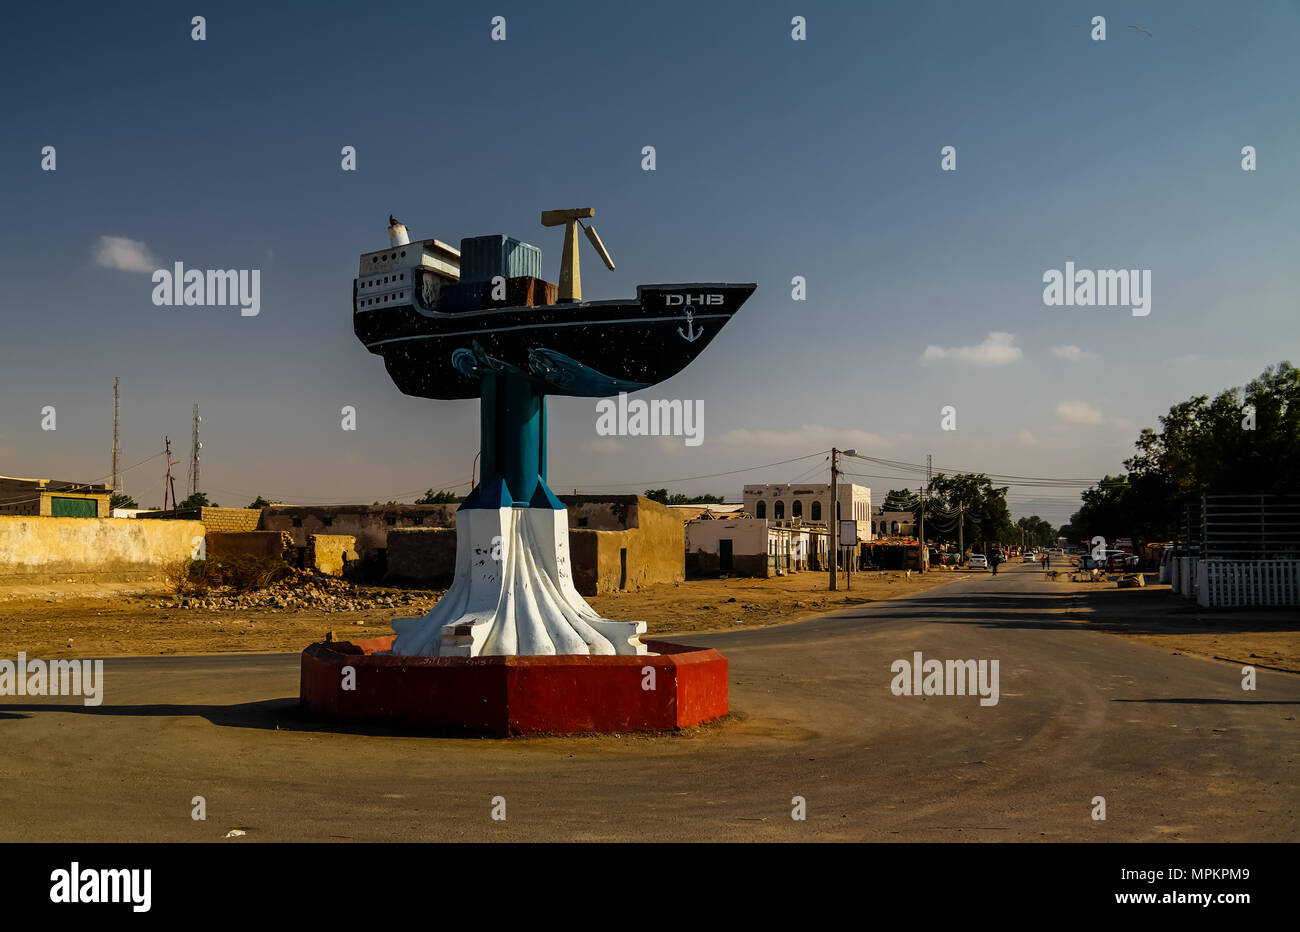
511,340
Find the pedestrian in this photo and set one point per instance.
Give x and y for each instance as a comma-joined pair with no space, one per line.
1047,561
994,560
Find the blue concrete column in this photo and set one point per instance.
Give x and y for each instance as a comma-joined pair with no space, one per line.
512,434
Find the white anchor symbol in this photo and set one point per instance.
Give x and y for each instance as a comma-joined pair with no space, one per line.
690,335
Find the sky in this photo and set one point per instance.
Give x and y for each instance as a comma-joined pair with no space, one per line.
774,158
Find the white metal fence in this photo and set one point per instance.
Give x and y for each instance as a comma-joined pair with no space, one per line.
1226,583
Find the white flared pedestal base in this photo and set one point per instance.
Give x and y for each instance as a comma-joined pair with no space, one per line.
513,594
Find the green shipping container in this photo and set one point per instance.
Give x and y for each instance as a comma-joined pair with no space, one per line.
74,507
484,257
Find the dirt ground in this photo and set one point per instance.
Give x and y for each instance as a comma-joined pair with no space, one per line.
1261,637
700,605
116,621
119,620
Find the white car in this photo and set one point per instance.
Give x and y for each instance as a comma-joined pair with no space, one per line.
978,562
1029,558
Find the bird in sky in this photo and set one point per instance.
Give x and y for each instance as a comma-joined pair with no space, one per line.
1140,29
397,232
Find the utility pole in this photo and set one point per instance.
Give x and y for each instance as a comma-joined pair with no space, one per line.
832,517
925,493
117,451
194,454
169,482
961,530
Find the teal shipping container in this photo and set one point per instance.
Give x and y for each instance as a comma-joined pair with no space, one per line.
482,258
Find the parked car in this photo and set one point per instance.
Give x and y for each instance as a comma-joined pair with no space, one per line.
1110,560
1168,564
978,562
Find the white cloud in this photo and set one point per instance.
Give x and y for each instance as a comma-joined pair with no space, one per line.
128,255
1027,438
604,445
1078,412
998,349
806,437
1073,354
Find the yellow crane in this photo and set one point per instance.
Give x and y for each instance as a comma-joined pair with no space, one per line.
570,284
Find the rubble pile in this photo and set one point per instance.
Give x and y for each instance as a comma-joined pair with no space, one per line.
304,590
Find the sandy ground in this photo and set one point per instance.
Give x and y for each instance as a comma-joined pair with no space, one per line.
117,621
1261,637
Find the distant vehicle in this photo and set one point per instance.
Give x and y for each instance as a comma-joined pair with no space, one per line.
1111,560
1167,564
1029,557
978,562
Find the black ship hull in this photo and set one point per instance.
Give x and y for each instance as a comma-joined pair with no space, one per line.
589,349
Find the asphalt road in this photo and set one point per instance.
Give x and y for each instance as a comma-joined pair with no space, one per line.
1175,746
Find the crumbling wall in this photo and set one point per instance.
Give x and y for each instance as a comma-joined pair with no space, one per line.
368,524
329,553
655,545
37,549
421,556
269,545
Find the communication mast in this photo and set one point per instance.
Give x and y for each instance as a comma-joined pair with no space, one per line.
193,474
117,450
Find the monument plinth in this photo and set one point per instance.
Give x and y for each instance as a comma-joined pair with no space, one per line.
501,338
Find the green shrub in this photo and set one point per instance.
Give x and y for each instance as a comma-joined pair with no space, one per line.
240,573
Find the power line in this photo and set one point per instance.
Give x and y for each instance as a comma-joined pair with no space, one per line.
715,475
997,478
85,486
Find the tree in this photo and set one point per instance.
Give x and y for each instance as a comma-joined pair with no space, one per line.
122,500
677,498
440,497
198,500
971,503
1109,510
1243,440
258,502
899,500
1037,532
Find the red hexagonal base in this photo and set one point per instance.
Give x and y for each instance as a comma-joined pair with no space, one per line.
516,695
